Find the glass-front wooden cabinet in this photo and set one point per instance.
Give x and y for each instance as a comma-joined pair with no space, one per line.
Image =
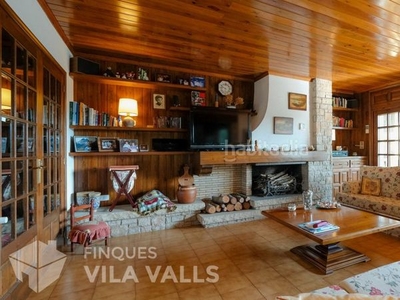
31,117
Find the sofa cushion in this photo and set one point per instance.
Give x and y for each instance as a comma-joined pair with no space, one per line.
383,280
389,176
370,186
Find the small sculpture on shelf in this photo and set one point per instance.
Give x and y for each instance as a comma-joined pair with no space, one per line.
230,103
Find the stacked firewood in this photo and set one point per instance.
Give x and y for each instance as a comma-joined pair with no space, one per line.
226,203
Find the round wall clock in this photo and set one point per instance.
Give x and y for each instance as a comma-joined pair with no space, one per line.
225,87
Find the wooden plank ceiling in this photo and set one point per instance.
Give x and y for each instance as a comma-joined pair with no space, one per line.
354,43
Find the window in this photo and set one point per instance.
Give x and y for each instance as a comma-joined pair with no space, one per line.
388,139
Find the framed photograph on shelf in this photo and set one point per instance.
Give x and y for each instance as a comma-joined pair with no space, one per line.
283,125
128,145
85,143
197,81
297,101
163,78
107,144
158,101
144,148
198,98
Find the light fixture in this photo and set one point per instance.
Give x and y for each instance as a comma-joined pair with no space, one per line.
128,107
5,99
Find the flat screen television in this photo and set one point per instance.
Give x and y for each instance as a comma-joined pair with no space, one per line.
219,129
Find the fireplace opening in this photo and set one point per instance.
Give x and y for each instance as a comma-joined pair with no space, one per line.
282,179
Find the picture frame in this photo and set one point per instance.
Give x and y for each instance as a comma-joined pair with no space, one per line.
144,148
128,145
107,144
163,78
198,98
158,101
85,143
197,81
283,125
297,101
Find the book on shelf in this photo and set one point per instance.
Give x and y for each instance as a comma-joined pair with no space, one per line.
318,226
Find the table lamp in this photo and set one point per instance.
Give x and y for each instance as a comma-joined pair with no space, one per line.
128,107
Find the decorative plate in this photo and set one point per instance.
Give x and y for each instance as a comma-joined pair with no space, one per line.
327,205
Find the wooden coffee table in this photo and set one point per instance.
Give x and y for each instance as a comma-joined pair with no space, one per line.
328,255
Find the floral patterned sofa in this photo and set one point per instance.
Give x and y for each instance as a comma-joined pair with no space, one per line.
378,191
379,283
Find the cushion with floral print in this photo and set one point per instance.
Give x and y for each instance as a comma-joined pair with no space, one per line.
389,176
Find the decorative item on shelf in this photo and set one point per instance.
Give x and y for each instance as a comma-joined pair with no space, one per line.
175,101
183,81
144,148
143,74
109,72
128,145
128,107
158,101
198,98
163,78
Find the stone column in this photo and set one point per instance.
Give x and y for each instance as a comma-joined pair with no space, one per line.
320,173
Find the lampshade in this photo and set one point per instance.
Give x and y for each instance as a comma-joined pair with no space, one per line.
129,108
5,98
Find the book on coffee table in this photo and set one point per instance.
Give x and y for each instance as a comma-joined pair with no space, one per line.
318,226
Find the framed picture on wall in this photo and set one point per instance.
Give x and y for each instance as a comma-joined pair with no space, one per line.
297,101
159,101
283,125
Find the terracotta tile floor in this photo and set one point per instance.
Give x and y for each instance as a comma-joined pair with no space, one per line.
253,260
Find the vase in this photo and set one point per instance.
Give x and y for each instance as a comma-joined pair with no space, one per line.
307,200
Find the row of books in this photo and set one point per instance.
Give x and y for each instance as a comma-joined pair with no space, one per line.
81,114
318,226
342,122
343,102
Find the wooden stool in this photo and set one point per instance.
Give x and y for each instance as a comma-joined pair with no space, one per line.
123,178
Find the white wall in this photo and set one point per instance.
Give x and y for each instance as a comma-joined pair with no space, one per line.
271,100
31,13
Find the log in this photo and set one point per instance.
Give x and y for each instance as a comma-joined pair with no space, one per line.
210,209
246,205
208,201
230,207
239,197
232,199
220,199
238,206
246,198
